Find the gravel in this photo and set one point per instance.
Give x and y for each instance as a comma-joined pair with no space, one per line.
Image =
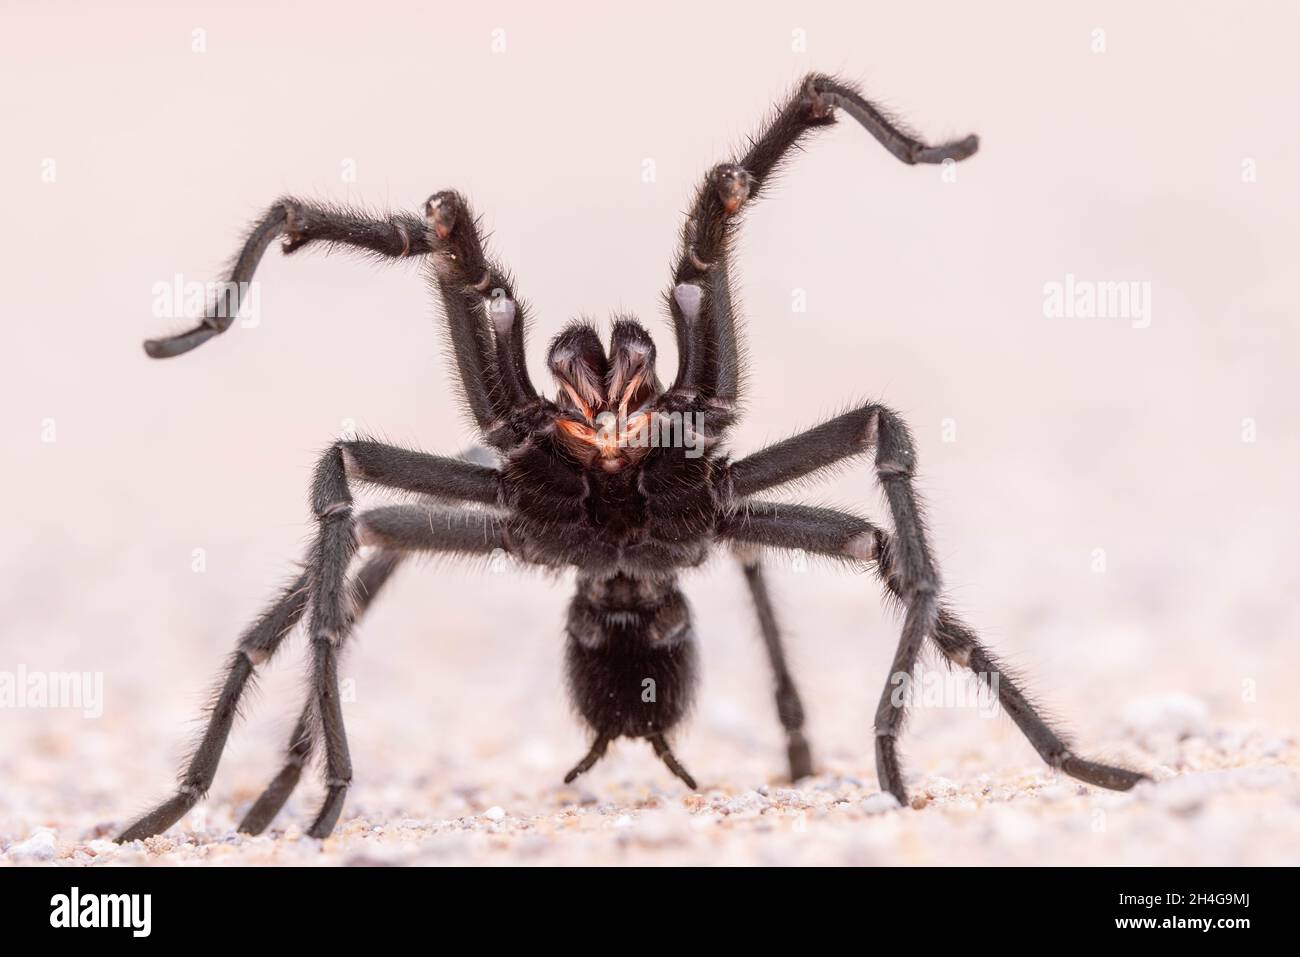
1230,797
460,733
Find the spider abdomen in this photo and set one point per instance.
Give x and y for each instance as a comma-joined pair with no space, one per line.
630,656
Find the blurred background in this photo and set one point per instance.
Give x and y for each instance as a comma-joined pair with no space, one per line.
1112,499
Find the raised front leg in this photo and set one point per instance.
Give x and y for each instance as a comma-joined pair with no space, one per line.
700,300
485,321
394,236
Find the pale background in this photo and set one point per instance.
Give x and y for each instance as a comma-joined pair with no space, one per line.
1071,435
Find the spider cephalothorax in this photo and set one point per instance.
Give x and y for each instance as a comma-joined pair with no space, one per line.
619,476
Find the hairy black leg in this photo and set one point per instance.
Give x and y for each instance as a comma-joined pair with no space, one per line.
392,467
328,626
395,527
486,320
665,754
891,711
918,579
597,752
788,706
421,528
271,800
961,646
811,451
918,589
324,587
257,646
706,339
365,586
730,186
829,93
843,536
394,236
808,528
400,527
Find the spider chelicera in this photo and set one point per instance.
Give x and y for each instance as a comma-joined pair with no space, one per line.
617,477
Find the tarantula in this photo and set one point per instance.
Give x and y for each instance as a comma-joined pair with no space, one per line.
617,477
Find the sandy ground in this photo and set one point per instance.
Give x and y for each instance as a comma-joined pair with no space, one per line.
1112,501
459,757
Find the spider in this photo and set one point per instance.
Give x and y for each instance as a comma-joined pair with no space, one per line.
617,477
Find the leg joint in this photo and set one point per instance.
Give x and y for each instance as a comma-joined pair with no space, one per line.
334,510
865,546
330,495
256,656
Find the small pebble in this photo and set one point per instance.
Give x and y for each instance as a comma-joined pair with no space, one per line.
880,803
38,847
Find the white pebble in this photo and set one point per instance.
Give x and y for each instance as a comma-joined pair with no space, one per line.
38,847
495,813
940,787
750,804
880,803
